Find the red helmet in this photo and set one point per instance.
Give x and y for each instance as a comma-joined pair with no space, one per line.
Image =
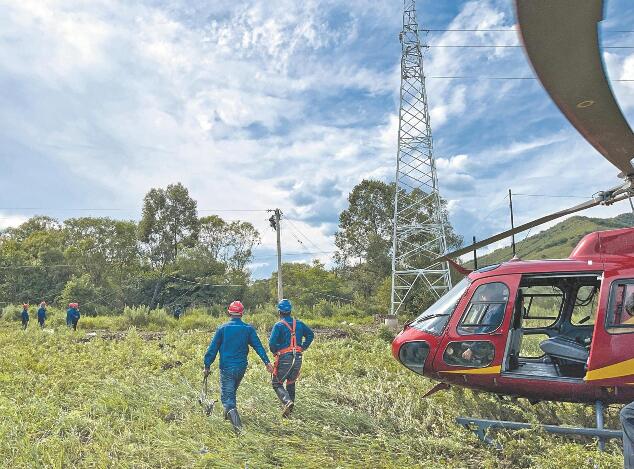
25,305
235,309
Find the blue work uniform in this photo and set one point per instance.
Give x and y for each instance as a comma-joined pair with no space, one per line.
41,315
288,364
72,317
25,318
232,341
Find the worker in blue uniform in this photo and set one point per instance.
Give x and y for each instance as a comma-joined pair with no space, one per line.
41,314
72,315
290,337
232,341
25,316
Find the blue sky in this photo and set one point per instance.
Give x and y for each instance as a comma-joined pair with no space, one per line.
256,105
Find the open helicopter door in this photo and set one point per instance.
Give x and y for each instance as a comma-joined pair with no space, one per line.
473,347
611,362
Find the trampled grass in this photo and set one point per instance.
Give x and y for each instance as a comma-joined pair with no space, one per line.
68,399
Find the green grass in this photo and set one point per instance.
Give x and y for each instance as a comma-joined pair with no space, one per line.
66,401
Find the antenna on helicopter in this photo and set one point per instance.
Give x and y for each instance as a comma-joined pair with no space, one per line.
512,224
475,256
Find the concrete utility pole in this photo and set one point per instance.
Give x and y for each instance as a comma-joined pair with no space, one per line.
275,224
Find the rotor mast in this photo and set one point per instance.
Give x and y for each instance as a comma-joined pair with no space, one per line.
419,230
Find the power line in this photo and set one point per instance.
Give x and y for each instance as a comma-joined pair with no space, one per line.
514,46
296,228
506,30
102,209
464,77
553,196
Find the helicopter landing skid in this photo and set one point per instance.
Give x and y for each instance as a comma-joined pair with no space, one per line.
480,427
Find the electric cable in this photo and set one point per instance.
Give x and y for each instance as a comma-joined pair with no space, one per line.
506,30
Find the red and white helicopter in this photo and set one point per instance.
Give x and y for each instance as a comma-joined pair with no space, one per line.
558,330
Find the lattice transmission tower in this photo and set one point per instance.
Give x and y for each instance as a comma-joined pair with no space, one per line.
419,230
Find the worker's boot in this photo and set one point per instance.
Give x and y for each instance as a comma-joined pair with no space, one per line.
234,418
287,403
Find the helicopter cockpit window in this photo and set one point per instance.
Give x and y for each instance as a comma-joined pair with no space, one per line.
435,318
542,305
620,318
485,311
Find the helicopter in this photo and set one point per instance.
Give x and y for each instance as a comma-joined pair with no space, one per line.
546,330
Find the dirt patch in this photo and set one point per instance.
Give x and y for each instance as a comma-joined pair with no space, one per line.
170,365
331,333
120,335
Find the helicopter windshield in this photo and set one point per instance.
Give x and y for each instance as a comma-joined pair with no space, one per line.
435,317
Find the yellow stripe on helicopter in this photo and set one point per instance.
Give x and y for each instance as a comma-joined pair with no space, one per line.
624,368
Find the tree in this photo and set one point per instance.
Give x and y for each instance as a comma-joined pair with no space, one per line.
307,284
169,221
364,238
106,249
229,243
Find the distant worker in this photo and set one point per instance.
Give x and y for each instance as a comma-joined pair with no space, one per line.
25,316
178,311
232,340
41,314
72,315
289,339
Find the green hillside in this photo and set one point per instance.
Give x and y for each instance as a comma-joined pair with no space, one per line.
557,242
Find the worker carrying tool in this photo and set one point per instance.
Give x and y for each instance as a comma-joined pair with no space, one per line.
289,339
232,341
25,316
41,314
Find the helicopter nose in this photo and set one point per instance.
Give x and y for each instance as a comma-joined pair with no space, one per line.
413,355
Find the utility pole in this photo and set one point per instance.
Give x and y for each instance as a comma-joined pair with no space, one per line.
419,225
275,224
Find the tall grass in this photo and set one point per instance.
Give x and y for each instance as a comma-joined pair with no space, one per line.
66,401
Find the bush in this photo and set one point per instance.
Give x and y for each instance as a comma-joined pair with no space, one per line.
142,317
11,313
386,334
324,308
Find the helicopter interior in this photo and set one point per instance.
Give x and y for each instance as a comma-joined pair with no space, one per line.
552,326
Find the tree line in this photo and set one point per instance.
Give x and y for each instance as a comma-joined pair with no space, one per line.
172,257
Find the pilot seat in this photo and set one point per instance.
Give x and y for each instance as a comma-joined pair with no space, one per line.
565,348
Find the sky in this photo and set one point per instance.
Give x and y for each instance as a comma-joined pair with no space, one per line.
256,105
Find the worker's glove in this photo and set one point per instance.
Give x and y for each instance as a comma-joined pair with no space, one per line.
269,368
206,372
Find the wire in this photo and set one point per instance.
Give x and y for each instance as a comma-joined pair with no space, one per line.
296,228
101,209
507,30
482,46
498,78
553,196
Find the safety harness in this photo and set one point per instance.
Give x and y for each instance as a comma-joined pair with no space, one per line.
292,348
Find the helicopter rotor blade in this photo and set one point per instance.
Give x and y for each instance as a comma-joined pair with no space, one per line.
526,226
562,42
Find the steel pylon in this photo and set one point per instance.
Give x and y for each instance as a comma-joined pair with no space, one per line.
419,230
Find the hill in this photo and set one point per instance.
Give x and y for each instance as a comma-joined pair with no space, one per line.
558,241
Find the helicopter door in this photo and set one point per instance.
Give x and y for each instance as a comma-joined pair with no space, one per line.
611,359
477,334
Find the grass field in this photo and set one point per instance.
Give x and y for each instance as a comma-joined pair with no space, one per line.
128,398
